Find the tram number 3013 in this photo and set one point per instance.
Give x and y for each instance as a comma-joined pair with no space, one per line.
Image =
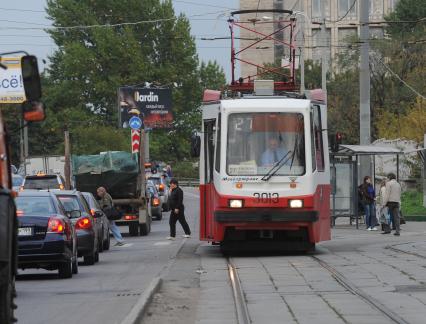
266,198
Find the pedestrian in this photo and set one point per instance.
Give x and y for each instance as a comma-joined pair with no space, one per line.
169,171
393,202
177,210
367,196
383,211
105,202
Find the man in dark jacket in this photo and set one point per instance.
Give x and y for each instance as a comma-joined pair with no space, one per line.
177,210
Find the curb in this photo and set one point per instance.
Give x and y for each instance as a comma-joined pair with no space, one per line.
138,310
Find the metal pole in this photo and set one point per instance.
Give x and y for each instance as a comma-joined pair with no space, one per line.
21,145
324,63
355,197
424,171
364,86
302,57
67,166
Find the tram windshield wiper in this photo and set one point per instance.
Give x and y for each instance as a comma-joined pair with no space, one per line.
277,166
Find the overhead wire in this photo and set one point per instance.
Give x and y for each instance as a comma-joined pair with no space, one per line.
344,16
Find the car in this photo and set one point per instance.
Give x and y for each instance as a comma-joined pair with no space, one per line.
46,236
154,201
102,221
86,227
43,181
17,181
162,188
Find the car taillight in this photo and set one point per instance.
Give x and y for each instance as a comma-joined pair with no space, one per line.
161,187
19,213
55,225
92,211
155,202
61,187
84,223
130,217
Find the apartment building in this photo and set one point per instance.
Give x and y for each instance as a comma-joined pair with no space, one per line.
342,22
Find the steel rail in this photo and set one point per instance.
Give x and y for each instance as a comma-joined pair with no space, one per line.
243,316
393,248
346,283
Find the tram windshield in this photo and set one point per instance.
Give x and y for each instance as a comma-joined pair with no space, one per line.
259,141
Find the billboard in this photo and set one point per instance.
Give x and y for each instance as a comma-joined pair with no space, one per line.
152,106
11,83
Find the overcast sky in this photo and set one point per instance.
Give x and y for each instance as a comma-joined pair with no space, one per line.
22,23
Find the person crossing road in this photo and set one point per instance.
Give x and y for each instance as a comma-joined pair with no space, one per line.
177,210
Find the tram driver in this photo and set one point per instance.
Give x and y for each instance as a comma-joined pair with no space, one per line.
274,153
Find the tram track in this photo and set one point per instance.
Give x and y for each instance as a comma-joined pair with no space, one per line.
241,308
395,249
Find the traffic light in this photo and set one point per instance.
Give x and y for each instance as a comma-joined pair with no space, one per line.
335,141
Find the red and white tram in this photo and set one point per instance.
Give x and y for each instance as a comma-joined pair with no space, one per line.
264,163
264,173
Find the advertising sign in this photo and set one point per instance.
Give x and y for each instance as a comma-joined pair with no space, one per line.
152,106
11,83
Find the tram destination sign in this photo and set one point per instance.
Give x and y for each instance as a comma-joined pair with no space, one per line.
152,106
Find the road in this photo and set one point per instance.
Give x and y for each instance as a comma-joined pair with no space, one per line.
357,277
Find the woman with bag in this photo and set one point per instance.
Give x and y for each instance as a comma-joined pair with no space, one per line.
108,208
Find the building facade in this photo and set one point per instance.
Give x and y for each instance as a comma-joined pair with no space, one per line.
342,22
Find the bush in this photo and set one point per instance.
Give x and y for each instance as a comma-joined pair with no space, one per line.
185,169
412,203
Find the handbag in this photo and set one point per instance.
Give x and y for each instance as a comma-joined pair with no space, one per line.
112,213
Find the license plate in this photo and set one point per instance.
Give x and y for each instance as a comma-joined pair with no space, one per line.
25,231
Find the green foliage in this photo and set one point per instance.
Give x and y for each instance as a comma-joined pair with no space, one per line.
412,203
185,169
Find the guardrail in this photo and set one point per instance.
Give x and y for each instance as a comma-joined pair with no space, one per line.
188,182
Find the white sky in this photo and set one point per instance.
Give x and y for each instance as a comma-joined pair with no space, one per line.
17,15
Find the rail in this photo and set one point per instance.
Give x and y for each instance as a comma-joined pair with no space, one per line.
242,313
188,182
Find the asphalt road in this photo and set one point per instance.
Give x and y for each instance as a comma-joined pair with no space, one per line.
105,292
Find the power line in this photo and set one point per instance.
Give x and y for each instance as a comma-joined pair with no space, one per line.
398,77
344,16
25,10
203,4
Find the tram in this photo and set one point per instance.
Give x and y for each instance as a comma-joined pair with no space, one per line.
264,167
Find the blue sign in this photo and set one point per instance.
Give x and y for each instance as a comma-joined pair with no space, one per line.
135,122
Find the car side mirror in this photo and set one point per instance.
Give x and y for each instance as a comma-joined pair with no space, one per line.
98,214
31,78
195,145
74,214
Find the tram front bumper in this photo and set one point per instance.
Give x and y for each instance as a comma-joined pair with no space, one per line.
265,215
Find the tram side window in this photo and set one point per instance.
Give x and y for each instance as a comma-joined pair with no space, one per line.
317,132
218,133
209,136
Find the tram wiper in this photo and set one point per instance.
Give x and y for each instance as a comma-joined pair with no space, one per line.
276,167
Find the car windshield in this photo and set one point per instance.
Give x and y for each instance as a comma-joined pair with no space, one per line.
38,206
70,203
17,181
258,141
41,183
90,201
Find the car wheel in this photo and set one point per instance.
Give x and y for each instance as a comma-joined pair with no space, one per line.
6,302
101,245
159,216
144,229
133,229
75,265
97,256
65,270
107,242
89,259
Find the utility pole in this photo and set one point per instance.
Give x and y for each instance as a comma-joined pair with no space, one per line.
424,170
324,63
67,167
302,56
364,87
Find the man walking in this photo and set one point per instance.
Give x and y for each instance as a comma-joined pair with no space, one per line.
393,202
177,210
106,202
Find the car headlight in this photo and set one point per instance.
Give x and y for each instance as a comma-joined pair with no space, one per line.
295,203
235,203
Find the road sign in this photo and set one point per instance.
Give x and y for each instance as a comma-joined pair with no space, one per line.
136,139
135,122
11,83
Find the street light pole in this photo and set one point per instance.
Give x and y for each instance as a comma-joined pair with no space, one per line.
324,63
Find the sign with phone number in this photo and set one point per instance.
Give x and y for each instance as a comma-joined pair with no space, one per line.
11,83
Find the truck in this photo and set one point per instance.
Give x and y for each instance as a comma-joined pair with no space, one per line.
53,164
124,179
32,110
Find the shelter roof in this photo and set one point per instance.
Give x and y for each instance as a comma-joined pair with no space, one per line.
366,150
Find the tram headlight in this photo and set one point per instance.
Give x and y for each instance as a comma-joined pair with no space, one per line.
235,203
295,203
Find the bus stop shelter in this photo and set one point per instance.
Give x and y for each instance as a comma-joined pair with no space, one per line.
345,168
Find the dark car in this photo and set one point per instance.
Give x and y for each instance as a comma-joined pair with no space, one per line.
46,236
44,182
85,225
154,201
102,221
162,188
